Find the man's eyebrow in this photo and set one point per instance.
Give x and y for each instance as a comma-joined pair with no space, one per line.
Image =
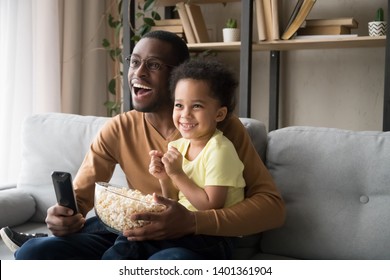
149,56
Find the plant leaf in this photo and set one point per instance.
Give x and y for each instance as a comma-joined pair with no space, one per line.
139,14
113,107
144,29
111,86
155,15
112,54
117,52
149,21
118,30
105,43
136,38
111,22
148,4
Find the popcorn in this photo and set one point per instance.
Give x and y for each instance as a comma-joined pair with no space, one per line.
114,205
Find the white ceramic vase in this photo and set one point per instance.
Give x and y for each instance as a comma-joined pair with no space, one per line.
231,34
377,28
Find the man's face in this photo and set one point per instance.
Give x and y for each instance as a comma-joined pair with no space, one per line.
149,86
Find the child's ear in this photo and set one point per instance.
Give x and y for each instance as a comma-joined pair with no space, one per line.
221,114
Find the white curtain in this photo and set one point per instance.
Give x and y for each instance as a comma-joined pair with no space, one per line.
29,72
84,60
51,60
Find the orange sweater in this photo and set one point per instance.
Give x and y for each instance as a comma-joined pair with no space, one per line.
127,139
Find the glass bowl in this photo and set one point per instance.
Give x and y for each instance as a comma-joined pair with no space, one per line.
115,204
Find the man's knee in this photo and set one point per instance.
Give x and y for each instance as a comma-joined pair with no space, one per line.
176,254
34,249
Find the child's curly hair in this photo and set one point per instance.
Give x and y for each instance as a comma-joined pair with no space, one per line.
219,77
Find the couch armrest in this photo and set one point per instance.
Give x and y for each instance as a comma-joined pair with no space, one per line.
7,186
16,207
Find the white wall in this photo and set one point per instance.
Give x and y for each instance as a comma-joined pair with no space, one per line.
340,88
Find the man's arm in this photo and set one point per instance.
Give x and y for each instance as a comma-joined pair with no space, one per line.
97,166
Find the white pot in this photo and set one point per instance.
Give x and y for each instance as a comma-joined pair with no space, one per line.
231,34
377,28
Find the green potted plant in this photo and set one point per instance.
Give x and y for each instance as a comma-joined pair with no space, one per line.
378,27
231,33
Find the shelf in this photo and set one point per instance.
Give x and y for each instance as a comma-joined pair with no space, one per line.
296,44
215,46
300,44
163,3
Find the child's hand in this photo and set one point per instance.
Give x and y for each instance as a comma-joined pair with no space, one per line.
156,167
172,161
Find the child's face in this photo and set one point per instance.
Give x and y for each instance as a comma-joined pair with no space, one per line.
195,112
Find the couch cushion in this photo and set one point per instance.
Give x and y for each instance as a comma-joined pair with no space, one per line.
50,142
336,185
16,207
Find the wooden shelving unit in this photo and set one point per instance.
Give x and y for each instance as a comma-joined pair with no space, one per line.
247,46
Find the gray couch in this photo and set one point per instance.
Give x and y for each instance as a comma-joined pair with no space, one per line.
336,185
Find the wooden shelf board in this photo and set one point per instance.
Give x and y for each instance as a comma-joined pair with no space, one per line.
163,3
300,44
296,44
216,46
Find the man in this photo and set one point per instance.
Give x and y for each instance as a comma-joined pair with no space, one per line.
127,140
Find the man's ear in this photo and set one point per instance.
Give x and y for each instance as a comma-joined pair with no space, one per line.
221,114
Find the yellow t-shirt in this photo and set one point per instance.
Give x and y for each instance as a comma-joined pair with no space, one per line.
216,165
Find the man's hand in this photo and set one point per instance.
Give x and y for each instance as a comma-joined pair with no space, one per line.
176,221
61,221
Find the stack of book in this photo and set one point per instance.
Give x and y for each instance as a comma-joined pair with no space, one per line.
171,25
332,26
194,25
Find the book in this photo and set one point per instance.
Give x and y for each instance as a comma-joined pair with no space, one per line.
260,19
275,19
197,22
324,30
170,28
271,19
185,21
325,37
268,18
294,13
163,22
346,21
299,19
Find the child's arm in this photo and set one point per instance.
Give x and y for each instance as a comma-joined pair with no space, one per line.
168,189
211,197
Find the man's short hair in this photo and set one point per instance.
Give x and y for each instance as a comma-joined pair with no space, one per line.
179,47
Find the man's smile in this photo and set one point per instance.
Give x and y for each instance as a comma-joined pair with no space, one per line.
140,89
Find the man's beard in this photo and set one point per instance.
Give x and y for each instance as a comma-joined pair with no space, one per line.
149,108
